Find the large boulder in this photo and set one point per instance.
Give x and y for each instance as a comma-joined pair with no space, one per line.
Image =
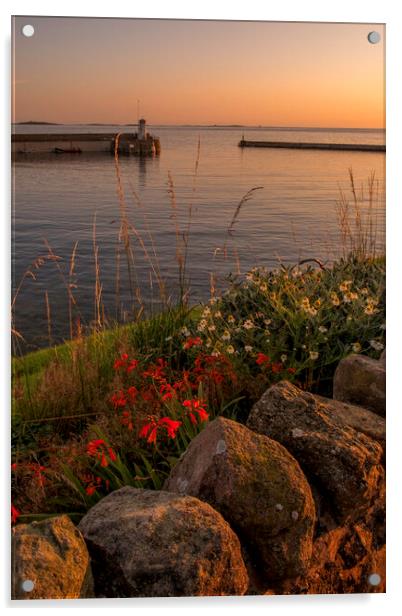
50,561
146,543
259,489
341,463
357,417
361,380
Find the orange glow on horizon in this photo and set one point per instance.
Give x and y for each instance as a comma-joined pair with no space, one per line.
199,72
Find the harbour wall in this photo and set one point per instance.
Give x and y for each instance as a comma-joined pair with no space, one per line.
26,145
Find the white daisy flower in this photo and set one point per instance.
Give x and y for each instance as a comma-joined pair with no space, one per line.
202,325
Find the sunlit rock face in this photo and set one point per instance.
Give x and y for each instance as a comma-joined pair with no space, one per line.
259,489
148,543
50,561
343,464
361,380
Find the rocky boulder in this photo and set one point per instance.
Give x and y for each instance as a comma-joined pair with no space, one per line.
357,417
50,561
361,380
146,543
345,560
259,489
342,464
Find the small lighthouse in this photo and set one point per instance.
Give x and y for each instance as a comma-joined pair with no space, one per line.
141,129
140,143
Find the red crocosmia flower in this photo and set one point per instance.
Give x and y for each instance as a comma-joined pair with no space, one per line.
14,466
99,450
93,484
132,365
94,446
152,436
292,370
262,359
150,430
194,408
167,396
277,367
167,392
156,371
191,342
143,433
118,399
171,426
121,362
15,514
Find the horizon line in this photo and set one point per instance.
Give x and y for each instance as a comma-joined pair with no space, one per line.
210,125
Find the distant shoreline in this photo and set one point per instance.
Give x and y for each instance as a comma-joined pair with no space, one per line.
239,126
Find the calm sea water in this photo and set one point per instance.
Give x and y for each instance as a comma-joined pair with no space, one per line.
292,217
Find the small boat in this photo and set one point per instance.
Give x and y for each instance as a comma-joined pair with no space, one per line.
71,150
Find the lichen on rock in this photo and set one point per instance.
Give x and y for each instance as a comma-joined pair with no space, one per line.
148,543
259,489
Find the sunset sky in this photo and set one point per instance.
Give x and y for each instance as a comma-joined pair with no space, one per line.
198,72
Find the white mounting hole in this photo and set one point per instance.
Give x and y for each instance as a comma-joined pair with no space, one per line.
28,585
374,579
28,30
374,37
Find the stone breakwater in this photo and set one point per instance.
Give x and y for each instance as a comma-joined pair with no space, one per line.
296,145
25,146
291,503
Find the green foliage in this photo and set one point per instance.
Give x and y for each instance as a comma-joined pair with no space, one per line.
305,319
295,323
71,381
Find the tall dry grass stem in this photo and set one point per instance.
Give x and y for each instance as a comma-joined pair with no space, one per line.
124,235
72,286
358,218
98,284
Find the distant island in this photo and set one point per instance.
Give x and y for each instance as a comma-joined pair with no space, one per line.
39,123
